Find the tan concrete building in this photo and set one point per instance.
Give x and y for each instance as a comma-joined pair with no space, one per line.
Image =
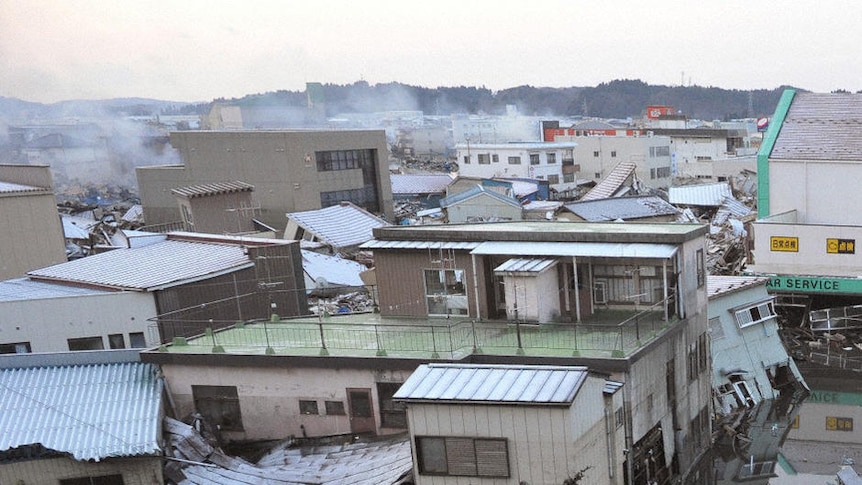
33,234
290,170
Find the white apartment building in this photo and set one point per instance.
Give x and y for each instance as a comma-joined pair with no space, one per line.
554,162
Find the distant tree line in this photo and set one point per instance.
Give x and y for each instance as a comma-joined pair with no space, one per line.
616,99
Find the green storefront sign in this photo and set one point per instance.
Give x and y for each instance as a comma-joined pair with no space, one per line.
830,397
814,284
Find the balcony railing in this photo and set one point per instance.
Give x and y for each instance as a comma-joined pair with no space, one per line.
608,333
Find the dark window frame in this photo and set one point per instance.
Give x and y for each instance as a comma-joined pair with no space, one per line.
221,404
460,459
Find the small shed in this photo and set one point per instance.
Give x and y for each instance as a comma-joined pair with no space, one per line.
480,204
511,423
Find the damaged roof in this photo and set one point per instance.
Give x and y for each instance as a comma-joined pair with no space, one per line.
13,188
614,208
339,225
91,412
493,384
408,184
612,183
476,191
717,285
704,195
332,270
821,126
152,267
215,188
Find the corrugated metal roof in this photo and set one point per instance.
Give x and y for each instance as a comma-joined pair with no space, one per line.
404,184
625,208
164,264
821,127
493,384
612,183
609,250
332,269
476,191
27,289
706,195
12,188
612,386
91,412
717,285
77,227
377,244
339,225
214,188
525,265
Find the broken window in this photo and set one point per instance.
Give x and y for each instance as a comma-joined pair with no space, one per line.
116,341
471,457
445,292
220,404
308,407
754,314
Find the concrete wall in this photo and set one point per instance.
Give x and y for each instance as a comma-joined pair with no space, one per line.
269,397
47,323
811,256
135,471
281,165
814,191
613,150
502,168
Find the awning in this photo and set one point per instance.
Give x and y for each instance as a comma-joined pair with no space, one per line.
581,249
525,265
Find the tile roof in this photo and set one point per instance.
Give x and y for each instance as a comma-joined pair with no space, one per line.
214,188
91,412
707,195
625,208
340,225
27,289
403,184
163,264
612,183
717,285
493,384
821,127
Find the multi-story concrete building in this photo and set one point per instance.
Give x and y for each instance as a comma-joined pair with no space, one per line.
290,170
553,162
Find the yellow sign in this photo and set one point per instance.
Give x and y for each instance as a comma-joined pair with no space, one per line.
841,246
839,424
784,243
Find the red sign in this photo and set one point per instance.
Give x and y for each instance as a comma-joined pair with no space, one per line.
654,112
762,124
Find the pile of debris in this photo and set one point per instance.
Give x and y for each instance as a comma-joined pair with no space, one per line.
355,302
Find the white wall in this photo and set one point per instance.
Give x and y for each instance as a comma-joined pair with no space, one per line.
811,257
47,323
822,192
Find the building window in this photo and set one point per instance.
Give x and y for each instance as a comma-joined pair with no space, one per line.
598,175
102,480
596,154
445,292
514,160
85,343
365,197
553,179
701,269
662,172
334,408
393,414
618,417
716,331
484,159
534,159
116,341
331,161
568,177
220,404
137,340
613,154
15,348
495,158
661,151
551,157
755,314
308,407
467,457
466,159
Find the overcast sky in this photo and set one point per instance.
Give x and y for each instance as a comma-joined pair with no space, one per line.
197,50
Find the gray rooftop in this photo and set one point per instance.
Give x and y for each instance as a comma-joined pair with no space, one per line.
214,188
419,183
717,285
624,208
27,289
91,412
155,266
612,183
493,384
340,225
476,191
12,188
706,195
821,127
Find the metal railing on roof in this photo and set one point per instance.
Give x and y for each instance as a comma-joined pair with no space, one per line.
604,336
